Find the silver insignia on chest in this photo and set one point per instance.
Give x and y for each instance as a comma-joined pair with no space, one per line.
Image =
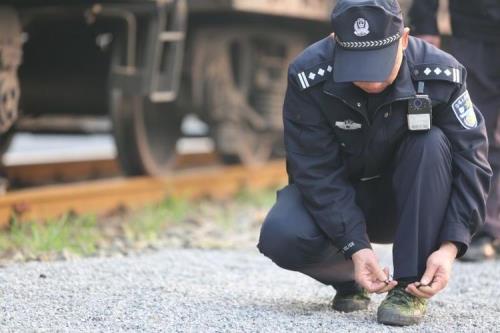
348,125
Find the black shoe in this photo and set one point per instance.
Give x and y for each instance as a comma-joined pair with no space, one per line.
349,302
482,248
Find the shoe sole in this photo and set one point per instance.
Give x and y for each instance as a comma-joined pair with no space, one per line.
350,306
388,317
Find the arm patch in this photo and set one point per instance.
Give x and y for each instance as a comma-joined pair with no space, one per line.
464,111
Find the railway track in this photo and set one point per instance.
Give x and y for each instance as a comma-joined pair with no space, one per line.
102,196
37,174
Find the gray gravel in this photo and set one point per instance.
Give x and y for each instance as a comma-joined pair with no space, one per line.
215,291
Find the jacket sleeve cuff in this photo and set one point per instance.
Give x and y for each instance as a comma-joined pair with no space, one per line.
457,233
353,241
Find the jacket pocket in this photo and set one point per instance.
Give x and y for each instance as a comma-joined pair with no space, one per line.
350,141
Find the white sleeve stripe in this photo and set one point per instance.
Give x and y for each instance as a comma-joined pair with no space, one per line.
456,75
305,79
302,81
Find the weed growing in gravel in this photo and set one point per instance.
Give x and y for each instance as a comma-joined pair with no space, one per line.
148,223
261,199
77,234
232,212
174,222
225,217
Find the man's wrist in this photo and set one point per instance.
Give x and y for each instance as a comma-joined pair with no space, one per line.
359,253
450,247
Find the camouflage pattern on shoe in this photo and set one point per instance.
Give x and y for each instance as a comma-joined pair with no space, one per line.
400,308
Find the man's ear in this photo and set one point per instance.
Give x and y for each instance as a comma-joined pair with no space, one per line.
405,38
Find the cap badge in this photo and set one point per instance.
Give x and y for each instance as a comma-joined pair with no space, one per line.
361,27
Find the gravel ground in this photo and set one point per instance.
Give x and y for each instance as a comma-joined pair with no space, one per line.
188,290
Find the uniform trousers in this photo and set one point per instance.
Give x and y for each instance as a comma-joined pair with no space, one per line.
405,206
483,82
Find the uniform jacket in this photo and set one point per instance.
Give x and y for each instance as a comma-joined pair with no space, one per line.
331,142
477,20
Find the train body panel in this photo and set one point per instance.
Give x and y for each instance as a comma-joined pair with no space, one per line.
305,9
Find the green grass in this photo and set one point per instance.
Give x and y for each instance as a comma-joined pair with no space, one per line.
224,218
82,234
245,198
261,198
153,219
77,234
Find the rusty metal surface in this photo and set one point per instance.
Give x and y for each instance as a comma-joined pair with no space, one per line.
243,69
259,106
30,175
45,3
307,9
103,196
312,9
61,172
10,59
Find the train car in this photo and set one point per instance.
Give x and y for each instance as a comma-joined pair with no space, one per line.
137,67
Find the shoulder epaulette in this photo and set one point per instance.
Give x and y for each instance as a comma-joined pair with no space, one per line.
314,75
437,72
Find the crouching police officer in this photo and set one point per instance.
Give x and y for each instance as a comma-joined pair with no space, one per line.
383,145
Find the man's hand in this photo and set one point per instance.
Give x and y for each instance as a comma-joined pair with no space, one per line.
369,274
432,39
437,273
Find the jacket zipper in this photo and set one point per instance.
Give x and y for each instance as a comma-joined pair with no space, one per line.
365,117
394,100
376,111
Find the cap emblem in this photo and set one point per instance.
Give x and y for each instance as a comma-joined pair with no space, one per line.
361,27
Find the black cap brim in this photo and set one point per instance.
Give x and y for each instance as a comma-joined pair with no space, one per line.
364,65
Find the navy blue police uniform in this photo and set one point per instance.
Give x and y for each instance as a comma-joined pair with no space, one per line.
476,44
358,174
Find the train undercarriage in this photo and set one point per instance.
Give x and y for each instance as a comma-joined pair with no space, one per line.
144,65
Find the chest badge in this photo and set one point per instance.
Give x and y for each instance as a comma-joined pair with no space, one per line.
348,125
361,27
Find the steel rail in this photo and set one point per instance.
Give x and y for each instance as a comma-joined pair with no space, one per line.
103,196
36,174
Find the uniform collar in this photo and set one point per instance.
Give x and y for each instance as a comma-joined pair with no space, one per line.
402,88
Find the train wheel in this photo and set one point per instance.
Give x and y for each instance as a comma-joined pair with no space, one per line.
146,134
10,59
245,76
5,140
